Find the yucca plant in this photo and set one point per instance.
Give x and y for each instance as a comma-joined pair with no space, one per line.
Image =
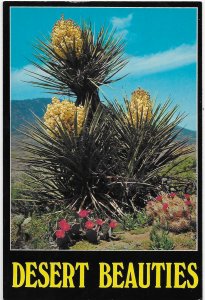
71,167
146,142
75,62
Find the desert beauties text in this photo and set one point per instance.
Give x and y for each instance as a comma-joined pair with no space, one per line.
115,275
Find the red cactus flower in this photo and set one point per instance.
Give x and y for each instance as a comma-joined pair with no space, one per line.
99,222
172,195
60,234
89,225
188,202
187,196
64,225
113,224
165,206
83,213
158,198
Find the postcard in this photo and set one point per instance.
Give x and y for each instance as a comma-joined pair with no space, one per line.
102,150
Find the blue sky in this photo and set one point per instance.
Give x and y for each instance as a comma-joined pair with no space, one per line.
160,44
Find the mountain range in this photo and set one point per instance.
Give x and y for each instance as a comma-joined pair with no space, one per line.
21,111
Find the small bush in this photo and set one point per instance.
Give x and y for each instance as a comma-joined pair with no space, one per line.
160,239
129,221
142,218
132,221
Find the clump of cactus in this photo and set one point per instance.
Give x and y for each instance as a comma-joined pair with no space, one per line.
86,226
173,212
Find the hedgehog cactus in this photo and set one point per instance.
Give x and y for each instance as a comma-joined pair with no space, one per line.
178,216
84,227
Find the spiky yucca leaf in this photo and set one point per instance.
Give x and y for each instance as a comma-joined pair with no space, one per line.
100,59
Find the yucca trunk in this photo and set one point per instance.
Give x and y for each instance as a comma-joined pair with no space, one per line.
92,97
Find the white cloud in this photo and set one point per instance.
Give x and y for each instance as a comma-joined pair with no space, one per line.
20,88
137,66
19,75
123,33
161,61
121,23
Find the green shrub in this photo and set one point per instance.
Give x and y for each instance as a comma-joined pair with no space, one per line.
132,221
160,239
129,221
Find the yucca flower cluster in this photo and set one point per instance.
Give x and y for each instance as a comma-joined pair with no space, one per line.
173,212
140,104
66,34
64,113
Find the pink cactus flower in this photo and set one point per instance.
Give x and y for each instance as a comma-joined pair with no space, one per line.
89,225
99,222
83,213
172,195
187,196
60,234
188,202
64,225
165,206
113,224
158,198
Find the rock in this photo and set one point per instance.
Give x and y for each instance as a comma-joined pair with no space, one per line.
26,228
16,221
26,221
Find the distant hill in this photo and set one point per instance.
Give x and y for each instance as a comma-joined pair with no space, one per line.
187,133
21,111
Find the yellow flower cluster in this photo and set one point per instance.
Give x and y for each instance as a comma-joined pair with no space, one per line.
66,34
64,113
140,104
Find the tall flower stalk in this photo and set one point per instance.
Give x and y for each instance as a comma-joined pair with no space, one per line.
74,62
